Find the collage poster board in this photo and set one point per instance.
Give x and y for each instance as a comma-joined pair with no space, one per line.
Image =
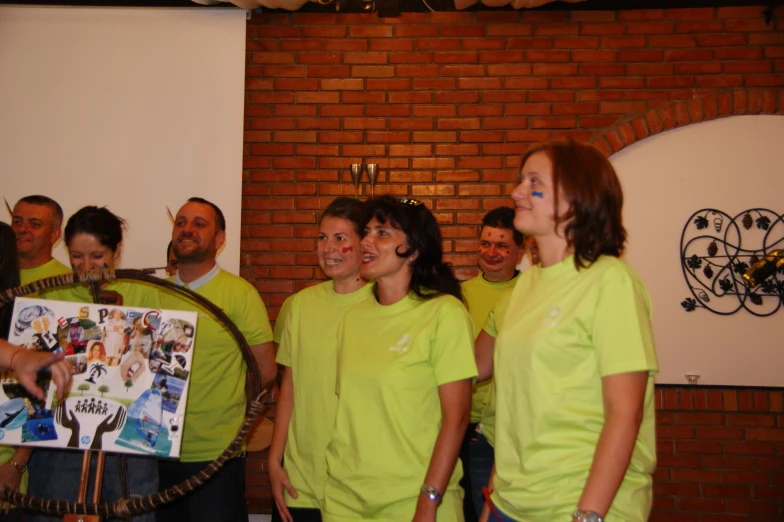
131,371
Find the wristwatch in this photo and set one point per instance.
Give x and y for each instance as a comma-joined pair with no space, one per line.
586,516
431,493
21,468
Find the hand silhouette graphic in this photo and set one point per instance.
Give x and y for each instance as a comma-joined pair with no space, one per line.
109,424
67,419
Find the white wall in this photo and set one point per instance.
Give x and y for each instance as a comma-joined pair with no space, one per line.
136,109
731,164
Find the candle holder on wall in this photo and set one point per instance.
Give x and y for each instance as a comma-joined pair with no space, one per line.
356,175
372,172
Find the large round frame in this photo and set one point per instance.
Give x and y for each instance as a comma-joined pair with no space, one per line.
125,508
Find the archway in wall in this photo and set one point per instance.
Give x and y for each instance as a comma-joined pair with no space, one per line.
730,164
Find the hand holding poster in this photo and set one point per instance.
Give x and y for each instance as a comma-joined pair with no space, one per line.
131,371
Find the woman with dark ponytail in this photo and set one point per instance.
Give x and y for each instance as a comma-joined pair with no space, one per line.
405,364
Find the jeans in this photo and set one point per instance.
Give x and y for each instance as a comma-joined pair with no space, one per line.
220,499
504,516
469,513
54,474
298,514
481,457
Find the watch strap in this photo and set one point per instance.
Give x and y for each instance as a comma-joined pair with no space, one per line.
431,493
586,516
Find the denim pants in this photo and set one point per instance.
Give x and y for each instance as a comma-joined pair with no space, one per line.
481,457
54,474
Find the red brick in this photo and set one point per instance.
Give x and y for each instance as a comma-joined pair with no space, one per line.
602,29
753,25
699,27
649,28
554,69
547,56
594,56
695,475
706,505
750,448
328,71
349,45
680,490
738,53
640,14
605,69
671,41
516,29
698,68
641,56
745,477
624,42
501,57
484,44
576,42
530,43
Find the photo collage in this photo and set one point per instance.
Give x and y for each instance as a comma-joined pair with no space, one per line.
131,373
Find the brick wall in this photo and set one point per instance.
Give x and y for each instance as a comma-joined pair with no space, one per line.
446,102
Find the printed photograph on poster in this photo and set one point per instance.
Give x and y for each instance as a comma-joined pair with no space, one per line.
131,369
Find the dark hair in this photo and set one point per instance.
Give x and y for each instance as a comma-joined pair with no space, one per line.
220,221
430,276
98,222
9,273
346,208
503,217
588,181
46,201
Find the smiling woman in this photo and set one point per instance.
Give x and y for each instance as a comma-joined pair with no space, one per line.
575,359
405,363
307,333
93,237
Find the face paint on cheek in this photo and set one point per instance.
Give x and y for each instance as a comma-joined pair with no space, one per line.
347,249
537,194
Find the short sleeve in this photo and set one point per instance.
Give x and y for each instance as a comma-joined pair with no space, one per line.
452,345
251,317
496,316
282,334
622,333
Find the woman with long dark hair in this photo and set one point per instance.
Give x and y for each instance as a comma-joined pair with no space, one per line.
574,359
405,366
25,363
307,334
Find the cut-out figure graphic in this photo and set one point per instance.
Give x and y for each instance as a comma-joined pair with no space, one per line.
114,336
96,352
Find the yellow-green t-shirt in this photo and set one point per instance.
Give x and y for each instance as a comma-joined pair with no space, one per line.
307,332
563,332
135,293
481,295
492,326
391,361
51,268
216,395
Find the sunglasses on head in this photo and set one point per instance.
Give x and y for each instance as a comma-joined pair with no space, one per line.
411,202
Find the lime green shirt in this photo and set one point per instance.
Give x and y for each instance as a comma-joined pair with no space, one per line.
51,268
563,332
492,327
135,293
307,329
481,295
216,396
391,361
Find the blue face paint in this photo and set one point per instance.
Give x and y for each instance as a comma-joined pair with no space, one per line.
537,194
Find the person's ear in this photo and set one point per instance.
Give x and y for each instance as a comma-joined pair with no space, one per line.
116,254
220,239
56,233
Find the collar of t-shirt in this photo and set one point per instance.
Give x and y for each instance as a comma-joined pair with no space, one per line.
198,283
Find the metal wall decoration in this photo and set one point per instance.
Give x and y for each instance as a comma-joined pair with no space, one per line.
717,249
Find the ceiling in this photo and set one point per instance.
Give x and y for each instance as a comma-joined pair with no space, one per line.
415,5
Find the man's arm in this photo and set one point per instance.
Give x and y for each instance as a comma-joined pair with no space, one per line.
265,359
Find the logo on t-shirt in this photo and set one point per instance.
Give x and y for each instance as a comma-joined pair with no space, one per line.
551,321
402,344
